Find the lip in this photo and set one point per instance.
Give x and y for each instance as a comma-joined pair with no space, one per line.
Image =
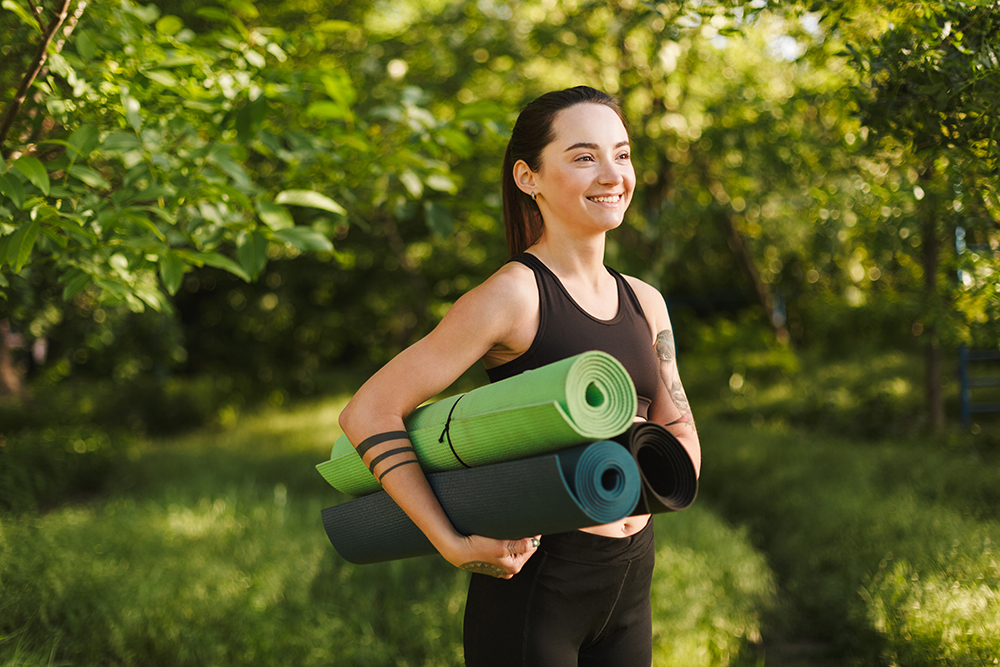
607,199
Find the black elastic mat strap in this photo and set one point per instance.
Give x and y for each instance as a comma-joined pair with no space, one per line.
447,433
379,438
383,456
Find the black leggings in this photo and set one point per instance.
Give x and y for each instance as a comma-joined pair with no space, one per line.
581,599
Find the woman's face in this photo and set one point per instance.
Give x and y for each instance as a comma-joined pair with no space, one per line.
586,177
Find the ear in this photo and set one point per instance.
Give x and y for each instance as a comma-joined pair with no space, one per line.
524,177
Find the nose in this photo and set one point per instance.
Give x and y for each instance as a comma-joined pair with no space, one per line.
610,173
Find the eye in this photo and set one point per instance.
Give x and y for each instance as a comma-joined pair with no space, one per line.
585,157
625,156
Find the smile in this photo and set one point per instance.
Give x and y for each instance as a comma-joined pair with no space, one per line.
612,199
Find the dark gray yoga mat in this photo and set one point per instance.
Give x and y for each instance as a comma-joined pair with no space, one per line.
553,493
669,480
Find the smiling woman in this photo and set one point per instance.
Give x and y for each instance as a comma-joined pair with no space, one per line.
568,598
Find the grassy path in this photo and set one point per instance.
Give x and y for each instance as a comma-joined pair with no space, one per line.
209,550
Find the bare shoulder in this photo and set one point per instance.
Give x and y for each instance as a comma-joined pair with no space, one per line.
510,290
500,314
652,303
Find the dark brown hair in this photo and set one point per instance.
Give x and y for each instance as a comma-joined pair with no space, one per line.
531,134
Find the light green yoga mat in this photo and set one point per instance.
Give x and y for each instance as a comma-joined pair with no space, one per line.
574,401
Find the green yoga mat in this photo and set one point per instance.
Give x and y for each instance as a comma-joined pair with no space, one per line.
577,400
669,480
553,493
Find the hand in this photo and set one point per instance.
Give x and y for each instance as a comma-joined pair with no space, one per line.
496,558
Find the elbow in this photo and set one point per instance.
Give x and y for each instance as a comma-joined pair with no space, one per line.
347,418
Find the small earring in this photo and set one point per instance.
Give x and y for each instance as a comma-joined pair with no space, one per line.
534,196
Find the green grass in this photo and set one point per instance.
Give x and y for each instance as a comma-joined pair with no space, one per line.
208,549
884,550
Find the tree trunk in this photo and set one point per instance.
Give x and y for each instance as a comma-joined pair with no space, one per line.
749,269
11,383
932,355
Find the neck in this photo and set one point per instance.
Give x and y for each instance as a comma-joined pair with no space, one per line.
572,256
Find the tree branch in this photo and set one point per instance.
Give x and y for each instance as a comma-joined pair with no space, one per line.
36,66
37,13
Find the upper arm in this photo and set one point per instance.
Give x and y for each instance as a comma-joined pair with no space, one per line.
670,406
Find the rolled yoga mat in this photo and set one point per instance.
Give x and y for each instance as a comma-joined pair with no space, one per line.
581,399
669,480
552,493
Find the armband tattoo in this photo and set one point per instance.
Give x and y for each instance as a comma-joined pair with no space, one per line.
391,468
383,456
379,438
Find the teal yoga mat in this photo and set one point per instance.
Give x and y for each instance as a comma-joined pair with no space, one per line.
577,400
669,480
552,493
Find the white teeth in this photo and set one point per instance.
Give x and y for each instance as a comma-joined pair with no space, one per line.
606,200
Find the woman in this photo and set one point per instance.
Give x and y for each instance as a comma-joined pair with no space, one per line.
583,598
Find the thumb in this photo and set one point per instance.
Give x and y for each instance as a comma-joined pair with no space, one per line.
523,546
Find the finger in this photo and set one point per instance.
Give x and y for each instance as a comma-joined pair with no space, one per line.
525,546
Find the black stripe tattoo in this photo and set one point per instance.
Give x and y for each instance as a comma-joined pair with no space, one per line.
391,468
384,455
379,438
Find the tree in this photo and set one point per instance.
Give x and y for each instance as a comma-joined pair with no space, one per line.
931,83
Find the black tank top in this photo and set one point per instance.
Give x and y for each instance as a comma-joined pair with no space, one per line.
565,329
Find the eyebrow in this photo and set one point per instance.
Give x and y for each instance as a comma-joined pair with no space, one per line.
593,147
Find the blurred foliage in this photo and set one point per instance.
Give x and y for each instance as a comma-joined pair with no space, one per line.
41,468
347,155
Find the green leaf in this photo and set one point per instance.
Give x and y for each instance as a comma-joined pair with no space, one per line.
214,13
120,141
11,188
220,261
171,272
153,298
132,108
328,111
412,184
55,237
76,284
84,44
89,176
169,25
310,199
252,252
441,183
21,244
439,219
244,7
177,61
22,13
305,239
166,216
274,215
85,139
34,171
132,214
332,25
162,77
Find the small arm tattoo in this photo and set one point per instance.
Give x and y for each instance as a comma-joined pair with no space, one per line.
666,353
482,567
665,346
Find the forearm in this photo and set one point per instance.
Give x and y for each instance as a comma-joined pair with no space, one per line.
684,430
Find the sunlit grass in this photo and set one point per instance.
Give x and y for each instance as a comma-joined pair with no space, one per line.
884,549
